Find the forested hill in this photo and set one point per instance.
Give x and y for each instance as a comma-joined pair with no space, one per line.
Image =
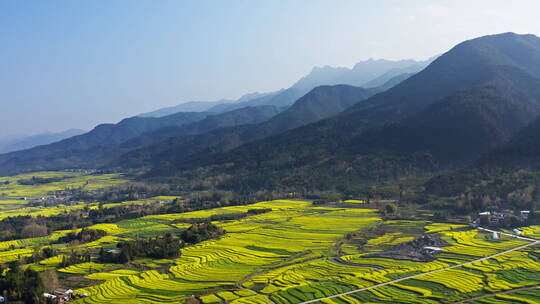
506,177
107,142
234,118
522,152
106,134
471,99
319,103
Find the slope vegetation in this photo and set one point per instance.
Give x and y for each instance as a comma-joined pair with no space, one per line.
468,101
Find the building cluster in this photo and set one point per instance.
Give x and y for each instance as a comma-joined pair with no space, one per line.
60,295
499,218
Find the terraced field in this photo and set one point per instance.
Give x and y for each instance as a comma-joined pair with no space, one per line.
487,281
284,256
296,252
10,189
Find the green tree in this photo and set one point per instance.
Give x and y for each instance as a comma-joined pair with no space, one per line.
390,209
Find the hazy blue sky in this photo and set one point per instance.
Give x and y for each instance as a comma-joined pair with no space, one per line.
67,64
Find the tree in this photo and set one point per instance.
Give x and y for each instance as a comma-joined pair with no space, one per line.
485,220
22,286
47,252
49,279
32,230
390,209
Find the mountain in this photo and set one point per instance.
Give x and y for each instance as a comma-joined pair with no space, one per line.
69,152
282,98
374,73
107,142
488,116
394,74
239,117
523,151
507,177
27,142
466,102
320,76
394,81
205,106
371,73
191,106
368,74
319,103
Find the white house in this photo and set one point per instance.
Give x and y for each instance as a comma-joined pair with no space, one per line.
432,249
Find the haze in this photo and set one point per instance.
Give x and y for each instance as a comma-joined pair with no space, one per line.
74,64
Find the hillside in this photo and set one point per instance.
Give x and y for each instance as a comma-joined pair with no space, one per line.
106,143
78,151
239,117
375,72
523,151
190,106
507,177
394,81
319,103
475,83
488,116
204,106
320,75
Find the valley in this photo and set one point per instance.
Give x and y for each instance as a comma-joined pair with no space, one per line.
270,152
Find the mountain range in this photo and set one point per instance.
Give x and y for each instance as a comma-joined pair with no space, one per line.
18,143
369,74
470,100
319,103
107,143
470,108
202,106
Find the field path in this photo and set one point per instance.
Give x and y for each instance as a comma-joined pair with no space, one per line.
533,242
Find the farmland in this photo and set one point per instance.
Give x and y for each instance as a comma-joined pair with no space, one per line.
11,188
292,252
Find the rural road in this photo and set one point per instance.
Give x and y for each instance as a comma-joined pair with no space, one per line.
510,235
533,242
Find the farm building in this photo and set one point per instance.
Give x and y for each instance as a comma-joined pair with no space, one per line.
61,295
524,214
431,249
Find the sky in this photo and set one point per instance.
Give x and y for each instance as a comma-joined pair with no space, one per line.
74,64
